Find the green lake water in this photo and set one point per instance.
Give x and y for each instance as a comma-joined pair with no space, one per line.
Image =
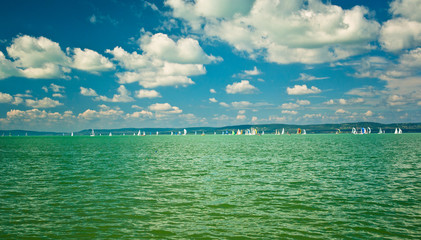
211,187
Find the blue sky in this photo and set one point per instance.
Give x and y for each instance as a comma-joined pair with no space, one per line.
73,65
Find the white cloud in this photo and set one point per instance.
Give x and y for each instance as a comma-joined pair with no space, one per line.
42,58
368,113
92,19
45,89
289,105
212,90
241,117
5,98
302,89
243,87
140,114
88,92
306,77
406,8
123,96
289,112
342,101
143,93
241,104
58,95
330,102
90,61
341,111
42,103
224,104
253,72
17,101
283,31
397,34
303,102
184,51
150,71
56,88
7,68
37,117
213,100
106,113
164,107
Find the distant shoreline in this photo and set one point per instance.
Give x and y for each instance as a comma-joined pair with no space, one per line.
267,128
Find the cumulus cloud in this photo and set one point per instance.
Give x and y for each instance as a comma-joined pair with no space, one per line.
185,50
368,113
88,92
104,113
302,89
56,88
164,107
90,61
341,111
212,90
36,117
122,96
42,58
5,98
58,95
143,93
241,117
289,112
303,102
397,34
150,71
42,103
289,105
283,31
243,87
213,100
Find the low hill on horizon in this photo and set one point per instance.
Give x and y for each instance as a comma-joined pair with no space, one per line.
267,128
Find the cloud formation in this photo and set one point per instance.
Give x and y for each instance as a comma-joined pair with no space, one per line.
243,87
302,89
283,31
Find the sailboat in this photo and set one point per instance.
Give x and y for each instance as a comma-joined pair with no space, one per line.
380,131
396,131
185,132
304,131
283,131
110,134
138,133
354,131
92,133
299,131
369,130
363,131
400,131
71,134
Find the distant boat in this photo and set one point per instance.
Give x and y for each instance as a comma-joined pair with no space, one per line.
299,131
400,131
380,131
110,134
283,131
354,131
369,130
263,132
157,133
92,133
71,134
172,133
184,132
363,131
138,133
203,133
304,131
396,131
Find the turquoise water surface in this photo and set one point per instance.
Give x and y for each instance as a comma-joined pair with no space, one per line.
211,187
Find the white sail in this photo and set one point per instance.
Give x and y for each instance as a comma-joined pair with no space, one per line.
185,132
369,130
380,131
110,134
304,131
396,131
400,131
71,134
138,133
283,131
92,133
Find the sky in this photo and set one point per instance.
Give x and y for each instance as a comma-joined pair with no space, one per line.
74,65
